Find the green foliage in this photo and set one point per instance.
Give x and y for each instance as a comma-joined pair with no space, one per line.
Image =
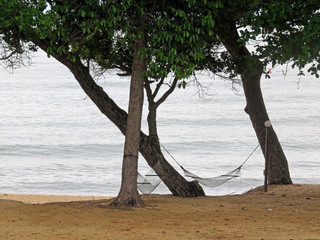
286,31
182,36
104,32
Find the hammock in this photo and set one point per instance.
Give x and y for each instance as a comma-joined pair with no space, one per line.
215,181
147,184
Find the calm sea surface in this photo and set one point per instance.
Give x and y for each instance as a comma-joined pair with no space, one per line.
54,140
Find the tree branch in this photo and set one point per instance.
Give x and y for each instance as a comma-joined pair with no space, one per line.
9,56
167,93
158,87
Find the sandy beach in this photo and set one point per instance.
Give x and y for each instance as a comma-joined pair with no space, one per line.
284,212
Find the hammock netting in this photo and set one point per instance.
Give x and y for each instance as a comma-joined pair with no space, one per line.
148,183
214,181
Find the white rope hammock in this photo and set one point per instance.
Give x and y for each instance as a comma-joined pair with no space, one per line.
150,181
214,181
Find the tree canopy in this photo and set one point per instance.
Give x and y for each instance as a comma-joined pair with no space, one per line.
181,35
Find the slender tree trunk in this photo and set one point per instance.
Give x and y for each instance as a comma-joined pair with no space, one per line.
128,195
173,180
251,70
152,120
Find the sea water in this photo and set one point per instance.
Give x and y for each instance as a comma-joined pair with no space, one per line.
54,140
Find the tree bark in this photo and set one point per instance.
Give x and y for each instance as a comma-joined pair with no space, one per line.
251,69
150,150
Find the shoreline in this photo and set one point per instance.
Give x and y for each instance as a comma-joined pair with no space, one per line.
34,198
47,198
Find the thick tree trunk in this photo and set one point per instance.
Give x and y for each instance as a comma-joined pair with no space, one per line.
278,171
177,184
251,70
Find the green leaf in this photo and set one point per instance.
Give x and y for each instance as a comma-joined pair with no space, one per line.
82,13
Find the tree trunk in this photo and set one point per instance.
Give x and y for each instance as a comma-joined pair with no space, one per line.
251,69
278,171
128,195
150,150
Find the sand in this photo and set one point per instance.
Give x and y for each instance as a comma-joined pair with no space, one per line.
284,212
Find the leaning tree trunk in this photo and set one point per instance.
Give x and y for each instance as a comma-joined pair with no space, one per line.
278,171
251,70
176,183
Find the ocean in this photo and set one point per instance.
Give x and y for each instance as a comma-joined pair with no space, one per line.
54,140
